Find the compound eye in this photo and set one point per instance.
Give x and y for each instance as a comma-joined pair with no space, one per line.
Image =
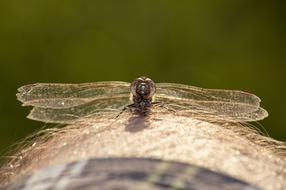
152,87
133,87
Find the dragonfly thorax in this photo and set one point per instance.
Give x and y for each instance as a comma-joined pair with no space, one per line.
142,103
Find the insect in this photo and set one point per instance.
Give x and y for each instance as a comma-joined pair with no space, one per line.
66,103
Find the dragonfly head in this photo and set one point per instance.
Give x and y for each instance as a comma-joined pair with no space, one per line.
143,87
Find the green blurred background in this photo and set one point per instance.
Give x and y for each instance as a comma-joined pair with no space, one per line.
214,44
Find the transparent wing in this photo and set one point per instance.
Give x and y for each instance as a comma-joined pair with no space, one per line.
211,104
73,114
66,103
46,95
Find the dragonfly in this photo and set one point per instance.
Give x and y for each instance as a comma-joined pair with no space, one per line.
67,103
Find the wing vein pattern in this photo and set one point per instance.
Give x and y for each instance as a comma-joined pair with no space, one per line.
65,103
212,104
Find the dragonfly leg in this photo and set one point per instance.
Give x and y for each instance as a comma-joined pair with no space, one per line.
163,105
124,109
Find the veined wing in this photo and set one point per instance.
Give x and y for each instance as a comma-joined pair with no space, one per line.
213,104
69,115
57,96
65,103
